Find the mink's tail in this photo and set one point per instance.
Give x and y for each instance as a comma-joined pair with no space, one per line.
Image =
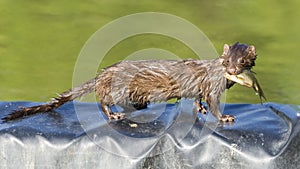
62,98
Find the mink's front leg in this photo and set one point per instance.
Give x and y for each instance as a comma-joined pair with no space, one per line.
199,106
213,102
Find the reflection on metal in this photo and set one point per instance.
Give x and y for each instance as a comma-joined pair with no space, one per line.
263,136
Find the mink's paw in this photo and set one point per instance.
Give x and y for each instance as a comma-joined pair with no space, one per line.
200,107
116,116
227,118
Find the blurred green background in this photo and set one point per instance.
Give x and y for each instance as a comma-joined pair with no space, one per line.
40,41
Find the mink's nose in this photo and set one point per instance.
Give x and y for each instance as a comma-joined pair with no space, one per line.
232,71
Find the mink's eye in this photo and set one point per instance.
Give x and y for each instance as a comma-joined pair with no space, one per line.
226,62
242,61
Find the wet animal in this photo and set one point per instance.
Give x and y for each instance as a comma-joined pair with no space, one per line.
137,83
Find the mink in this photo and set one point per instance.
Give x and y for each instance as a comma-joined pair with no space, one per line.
138,83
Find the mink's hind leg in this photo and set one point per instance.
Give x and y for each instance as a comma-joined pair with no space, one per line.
110,115
139,106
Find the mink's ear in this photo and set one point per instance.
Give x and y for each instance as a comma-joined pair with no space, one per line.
225,51
252,52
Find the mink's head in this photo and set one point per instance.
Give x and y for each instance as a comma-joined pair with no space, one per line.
238,57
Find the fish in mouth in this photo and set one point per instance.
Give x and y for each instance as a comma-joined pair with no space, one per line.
247,78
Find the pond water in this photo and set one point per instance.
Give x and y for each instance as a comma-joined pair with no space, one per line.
41,40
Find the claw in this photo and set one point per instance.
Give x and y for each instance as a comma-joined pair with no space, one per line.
116,116
202,109
227,118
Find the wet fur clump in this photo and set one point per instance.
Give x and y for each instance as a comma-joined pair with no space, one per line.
136,83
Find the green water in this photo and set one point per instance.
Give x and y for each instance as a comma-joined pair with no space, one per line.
40,41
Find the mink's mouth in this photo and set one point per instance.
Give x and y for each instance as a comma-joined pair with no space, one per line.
236,70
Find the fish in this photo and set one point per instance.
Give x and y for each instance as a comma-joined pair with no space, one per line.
247,78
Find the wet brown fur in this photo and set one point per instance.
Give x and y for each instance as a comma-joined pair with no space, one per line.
139,82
